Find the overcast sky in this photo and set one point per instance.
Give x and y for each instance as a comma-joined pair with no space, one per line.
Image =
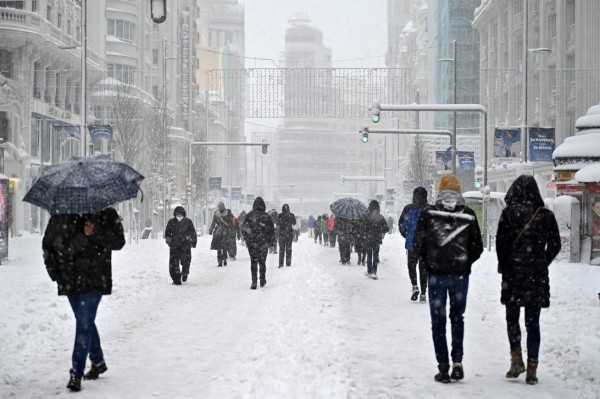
351,28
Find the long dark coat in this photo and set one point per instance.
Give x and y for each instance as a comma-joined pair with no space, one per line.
258,229
220,228
375,225
78,263
524,262
180,234
447,236
286,220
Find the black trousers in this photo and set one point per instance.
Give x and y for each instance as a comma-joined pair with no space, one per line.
285,252
413,259
177,256
344,247
221,255
258,258
319,236
532,325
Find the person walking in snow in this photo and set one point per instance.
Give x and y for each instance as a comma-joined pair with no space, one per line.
360,240
407,224
331,230
232,242
77,254
448,239
240,220
317,230
286,220
181,237
221,224
527,241
325,229
274,219
296,227
311,225
343,231
259,234
375,227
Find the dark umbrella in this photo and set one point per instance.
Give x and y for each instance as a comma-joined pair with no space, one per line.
349,208
84,185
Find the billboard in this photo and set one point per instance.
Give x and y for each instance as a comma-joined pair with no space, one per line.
99,132
236,193
465,160
541,144
507,144
214,183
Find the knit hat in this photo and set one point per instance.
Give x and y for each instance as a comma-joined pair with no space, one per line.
449,182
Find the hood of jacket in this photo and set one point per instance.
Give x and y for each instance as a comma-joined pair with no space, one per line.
374,206
259,205
419,196
285,208
449,200
524,190
179,210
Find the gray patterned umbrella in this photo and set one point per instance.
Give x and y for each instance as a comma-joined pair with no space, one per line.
349,208
84,185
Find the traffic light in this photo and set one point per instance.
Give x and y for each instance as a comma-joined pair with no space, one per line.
365,137
158,10
375,109
478,181
265,147
188,188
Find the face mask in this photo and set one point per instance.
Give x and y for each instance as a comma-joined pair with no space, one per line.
179,217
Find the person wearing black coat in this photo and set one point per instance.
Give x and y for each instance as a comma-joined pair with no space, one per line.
222,224
181,237
259,234
233,233
286,220
448,239
360,240
77,254
407,224
317,229
527,241
375,227
343,230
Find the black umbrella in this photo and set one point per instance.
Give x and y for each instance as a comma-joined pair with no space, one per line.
84,185
349,208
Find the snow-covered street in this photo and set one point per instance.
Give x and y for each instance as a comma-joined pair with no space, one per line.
317,330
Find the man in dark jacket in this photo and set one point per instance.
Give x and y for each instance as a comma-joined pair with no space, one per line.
285,221
220,228
527,241
77,254
259,235
375,227
181,237
343,229
448,239
407,224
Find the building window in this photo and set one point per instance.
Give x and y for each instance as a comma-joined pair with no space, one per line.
34,5
155,56
12,4
6,61
59,20
49,13
123,73
4,127
69,28
124,30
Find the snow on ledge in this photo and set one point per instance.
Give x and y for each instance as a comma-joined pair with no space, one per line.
589,174
584,145
566,199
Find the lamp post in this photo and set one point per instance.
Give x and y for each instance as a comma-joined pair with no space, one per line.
83,128
453,60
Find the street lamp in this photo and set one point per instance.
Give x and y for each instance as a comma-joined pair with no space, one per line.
453,60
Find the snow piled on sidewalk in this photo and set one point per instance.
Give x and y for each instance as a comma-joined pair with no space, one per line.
317,330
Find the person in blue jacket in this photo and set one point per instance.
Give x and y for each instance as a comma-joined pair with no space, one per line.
407,224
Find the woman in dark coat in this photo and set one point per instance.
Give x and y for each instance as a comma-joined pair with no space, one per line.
286,220
317,229
77,254
527,241
259,234
220,227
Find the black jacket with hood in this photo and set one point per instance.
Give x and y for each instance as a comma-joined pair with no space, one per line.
374,225
286,220
524,262
407,224
180,234
258,229
448,236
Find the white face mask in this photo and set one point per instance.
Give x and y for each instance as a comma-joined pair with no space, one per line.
179,217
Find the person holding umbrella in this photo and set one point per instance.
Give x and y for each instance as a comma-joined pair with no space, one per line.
82,232
181,237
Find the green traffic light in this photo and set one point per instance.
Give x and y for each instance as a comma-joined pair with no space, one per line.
365,138
375,118
478,185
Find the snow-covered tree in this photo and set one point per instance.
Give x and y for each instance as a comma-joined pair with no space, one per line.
421,166
126,117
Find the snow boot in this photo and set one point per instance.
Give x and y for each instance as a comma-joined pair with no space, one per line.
253,286
95,371
183,278
415,293
443,376
263,283
516,363
74,383
374,276
224,262
423,297
531,377
457,371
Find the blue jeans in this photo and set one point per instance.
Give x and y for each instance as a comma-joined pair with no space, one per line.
372,258
532,325
440,287
87,340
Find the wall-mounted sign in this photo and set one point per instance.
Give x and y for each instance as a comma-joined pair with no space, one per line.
541,144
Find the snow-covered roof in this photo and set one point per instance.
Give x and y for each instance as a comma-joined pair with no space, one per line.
570,166
583,145
589,174
588,121
565,199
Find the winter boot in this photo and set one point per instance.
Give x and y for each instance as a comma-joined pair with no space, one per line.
253,286
423,297
74,383
95,371
457,371
516,363
443,376
263,283
531,377
183,278
224,262
415,293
